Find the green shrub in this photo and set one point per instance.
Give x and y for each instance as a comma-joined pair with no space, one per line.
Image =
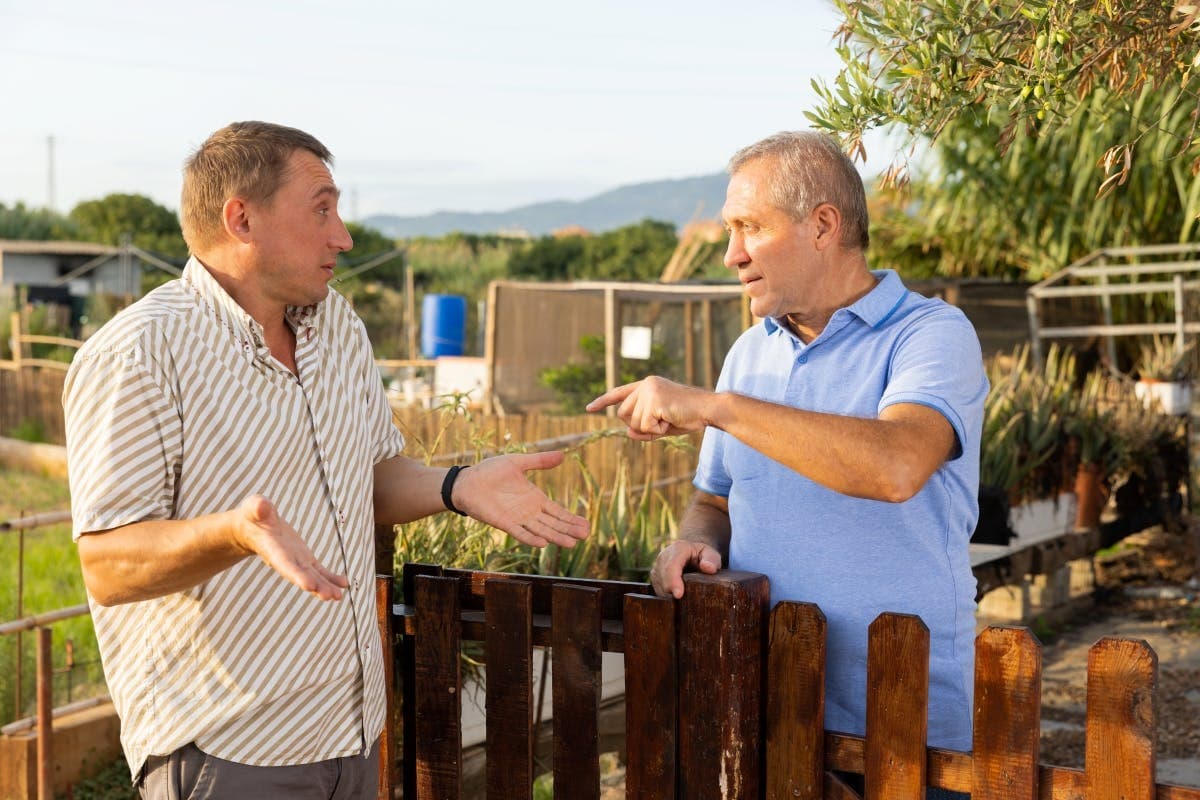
579,381
29,430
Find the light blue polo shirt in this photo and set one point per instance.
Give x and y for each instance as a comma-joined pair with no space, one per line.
857,558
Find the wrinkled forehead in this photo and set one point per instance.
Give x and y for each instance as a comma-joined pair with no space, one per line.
307,173
748,192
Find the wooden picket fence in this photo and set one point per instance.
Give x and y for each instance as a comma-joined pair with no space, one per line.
726,700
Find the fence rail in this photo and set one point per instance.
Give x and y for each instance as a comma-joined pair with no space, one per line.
726,700
45,668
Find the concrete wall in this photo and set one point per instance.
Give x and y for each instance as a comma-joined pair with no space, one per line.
83,744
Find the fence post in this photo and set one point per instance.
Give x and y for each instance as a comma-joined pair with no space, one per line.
651,697
1008,714
575,662
439,703
897,706
795,703
1122,681
387,742
722,638
18,355
45,714
408,672
508,616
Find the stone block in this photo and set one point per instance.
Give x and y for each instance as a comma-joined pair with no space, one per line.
84,743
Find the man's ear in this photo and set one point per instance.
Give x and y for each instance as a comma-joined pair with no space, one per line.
828,222
236,217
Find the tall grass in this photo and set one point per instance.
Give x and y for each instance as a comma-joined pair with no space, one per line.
51,580
630,520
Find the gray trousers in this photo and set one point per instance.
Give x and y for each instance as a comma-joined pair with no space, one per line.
191,774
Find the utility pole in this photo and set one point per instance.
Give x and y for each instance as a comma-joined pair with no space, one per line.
126,265
50,172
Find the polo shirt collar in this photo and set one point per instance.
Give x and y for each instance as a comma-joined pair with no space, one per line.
236,319
873,308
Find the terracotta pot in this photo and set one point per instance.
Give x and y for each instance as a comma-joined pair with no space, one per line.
1091,493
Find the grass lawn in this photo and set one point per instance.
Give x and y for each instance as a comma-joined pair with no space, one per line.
51,580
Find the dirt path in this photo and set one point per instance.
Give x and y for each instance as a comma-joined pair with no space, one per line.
1147,589
1165,616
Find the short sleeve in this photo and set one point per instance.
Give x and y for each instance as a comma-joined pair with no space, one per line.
937,363
124,440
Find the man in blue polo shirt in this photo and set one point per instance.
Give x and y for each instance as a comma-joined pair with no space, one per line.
841,447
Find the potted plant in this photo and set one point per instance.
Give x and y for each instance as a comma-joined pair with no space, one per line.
1092,425
1026,451
1164,375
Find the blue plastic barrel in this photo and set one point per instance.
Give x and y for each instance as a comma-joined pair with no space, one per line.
443,325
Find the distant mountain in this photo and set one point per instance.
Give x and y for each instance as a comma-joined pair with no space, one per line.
674,201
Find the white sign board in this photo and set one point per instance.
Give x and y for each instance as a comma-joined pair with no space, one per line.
635,342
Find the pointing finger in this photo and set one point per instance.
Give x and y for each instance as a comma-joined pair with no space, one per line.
611,397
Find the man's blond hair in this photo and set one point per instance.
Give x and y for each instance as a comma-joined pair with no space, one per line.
244,159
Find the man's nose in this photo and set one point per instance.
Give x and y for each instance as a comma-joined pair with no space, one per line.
342,240
735,253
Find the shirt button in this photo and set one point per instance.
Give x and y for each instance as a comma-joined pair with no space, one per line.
355,584
803,359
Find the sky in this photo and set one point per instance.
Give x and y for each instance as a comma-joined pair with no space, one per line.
473,105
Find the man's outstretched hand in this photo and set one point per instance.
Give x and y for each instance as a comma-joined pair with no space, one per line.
497,491
269,536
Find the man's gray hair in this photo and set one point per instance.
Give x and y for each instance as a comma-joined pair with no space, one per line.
810,169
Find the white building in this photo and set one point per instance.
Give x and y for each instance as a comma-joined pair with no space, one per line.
54,270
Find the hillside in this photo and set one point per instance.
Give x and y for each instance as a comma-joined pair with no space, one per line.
676,201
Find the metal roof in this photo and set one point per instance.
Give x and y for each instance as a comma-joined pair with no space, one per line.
30,247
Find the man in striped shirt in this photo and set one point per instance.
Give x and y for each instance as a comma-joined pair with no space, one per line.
230,449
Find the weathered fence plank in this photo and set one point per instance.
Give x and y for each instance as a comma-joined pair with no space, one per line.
651,700
796,703
408,669
576,666
897,707
1121,716
1008,696
722,631
509,703
439,701
387,740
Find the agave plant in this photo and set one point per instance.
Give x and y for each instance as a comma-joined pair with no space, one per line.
1025,446
1092,425
1161,359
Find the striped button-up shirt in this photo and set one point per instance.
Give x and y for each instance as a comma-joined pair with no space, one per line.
175,409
